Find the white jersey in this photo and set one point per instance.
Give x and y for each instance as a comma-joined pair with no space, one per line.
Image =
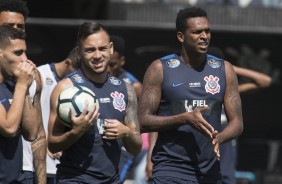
48,82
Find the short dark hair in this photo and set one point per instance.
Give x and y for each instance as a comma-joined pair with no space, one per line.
74,57
88,28
8,33
187,13
17,6
119,44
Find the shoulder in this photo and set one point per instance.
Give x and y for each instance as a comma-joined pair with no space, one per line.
157,64
62,84
228,66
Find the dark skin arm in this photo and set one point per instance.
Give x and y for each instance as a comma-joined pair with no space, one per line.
149,166
149,103
232,106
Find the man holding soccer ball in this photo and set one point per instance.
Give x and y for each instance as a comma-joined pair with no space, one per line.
90,156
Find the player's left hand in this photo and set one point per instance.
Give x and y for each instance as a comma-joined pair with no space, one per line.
215,143
114,129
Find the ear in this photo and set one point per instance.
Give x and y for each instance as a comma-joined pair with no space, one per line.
180,36
111,48
122,60
68,62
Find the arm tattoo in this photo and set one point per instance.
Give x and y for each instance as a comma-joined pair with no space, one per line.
233,92
131,109
39,148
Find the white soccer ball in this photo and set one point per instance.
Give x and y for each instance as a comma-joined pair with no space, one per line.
73,98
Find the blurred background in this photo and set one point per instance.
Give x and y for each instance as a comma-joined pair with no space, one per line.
249,32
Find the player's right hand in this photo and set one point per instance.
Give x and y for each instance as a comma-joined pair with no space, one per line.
86,119
25,73
197,121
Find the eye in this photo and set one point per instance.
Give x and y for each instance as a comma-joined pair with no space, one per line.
89,50
20,27
18,52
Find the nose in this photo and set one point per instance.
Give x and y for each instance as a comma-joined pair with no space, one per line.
23,57
204,35
97,54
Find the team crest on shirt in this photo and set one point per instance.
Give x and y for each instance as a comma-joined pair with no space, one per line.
49,81
118,101
214,63
77,78
114,81
212,85
173,63
127,80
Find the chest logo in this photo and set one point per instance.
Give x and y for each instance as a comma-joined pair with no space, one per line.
214,63
49,81
118,101
212,85
114,81
173,63
78,78
174,85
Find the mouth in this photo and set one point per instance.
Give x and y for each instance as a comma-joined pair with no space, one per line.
97,64
203,45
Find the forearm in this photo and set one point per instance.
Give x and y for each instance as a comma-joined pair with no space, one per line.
57,143
153,123
13,117
233,130
39,151
31,120
260,79
133,143
152,141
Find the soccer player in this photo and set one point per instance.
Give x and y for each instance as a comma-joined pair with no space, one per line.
87,155
14,14
182,99
17,115
51,74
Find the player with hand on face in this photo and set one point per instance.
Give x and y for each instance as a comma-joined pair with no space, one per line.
13,13
17,74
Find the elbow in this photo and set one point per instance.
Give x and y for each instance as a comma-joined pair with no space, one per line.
143,126
52,148
266,82
240,130
136,151
29,136
10,132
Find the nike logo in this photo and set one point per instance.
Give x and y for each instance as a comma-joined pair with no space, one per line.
177,84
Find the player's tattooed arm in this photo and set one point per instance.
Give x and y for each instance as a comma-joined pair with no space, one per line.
150,100
132,141
232,106
39,147
32,117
